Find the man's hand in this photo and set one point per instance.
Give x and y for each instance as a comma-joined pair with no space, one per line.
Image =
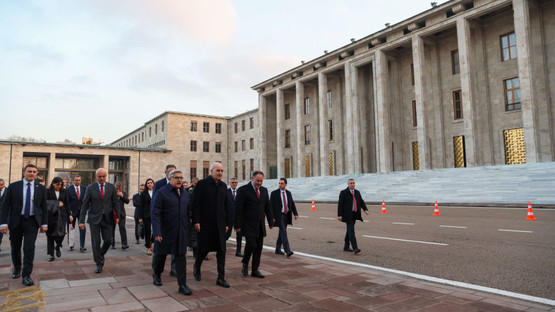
120,194
70,218
60,204
296,217
82,226
4,230
238,230
340,218
197,227
226,229
158,239
140,220
366,212
117,221
43,229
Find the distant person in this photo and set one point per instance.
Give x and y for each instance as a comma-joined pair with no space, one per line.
23,212
284,209
76,193
251,206
3,190
348,210
145,202
58,214
102,206
170,226
238,235
193,234
123,199
211,215
136,203
64,181
192,185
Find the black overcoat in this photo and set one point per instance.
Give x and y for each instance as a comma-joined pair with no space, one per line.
250,211
345,206
58,217
275,201
171,219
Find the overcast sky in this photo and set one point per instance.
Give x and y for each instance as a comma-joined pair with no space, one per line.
101,68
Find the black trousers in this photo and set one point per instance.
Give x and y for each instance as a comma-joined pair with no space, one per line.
159,261
239,241
147,223
105,229
350,235
24,234
122,232
282,237
137,229
253,247
50,240
220,257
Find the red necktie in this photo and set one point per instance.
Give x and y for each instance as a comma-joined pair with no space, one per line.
233,194
354,201
257,194
284,203
78,195
102,190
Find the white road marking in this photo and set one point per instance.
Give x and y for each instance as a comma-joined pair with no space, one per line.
453,226
294,228
327,218
517,231
406,240
303,216
402,223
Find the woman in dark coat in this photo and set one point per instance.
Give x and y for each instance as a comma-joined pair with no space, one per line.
58,212
144,214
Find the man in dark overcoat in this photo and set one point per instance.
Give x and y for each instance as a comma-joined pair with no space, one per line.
211,207
170,216
348,210
284,210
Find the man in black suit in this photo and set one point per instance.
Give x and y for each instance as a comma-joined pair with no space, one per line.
3,190
232,192
284,209
251,206
211,208
23,212
76,194
101,204
122,200
158,185
348,211
136,204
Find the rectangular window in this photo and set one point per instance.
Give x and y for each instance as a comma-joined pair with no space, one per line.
457,105
243,145
512,94
206,146
414,120
307,135
252,164
412,73
455,62
251,122
235,146
330,129
508,46
206,127
328,98
287,111
306,106
244,169
193,146
193,170
205,169
218,147
251,143
218,128
242,125
287,138
236,125
236,164
193,126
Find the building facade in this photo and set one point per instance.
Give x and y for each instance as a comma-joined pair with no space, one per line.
466,83
242,145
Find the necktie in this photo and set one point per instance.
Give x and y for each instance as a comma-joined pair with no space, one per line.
178,193
233,194
27,209
284,203
257,194
78,195
102,190
354,201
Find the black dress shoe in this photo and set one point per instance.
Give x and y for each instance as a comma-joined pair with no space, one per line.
51,259
82,249
124,246
137,243
113,247
357,251
245,270
196,273
58,252
183,289
257,274
279,252
27,281
221,282
347,249
156,280
289,254
71,248
98,269
238,254
172,273
16,275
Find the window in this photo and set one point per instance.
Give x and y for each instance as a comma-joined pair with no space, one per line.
508,46
236,164
252,164
149,132
287,111
235,146
328,98
243,145
193,146
330,129
306,106
193,126
143,137
206,127
243,164
206,146
287,138
236,127
251,143
251,121
457,105
512,94
193,170
307,135
218,128
414,120
218,147
455,62
155,129
242,125
162,126
412,73
205,169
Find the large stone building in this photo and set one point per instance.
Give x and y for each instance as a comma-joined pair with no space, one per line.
466,83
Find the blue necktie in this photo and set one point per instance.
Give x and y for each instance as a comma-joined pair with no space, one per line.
27,209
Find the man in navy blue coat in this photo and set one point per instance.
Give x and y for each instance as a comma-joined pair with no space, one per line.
170,228
158,185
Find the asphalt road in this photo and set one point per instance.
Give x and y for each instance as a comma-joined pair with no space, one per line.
493,247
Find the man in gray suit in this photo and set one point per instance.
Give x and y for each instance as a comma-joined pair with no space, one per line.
102,206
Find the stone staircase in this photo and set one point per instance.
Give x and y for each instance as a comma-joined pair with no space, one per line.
503,185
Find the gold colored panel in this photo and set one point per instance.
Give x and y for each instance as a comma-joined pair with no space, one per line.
458,148
287,167
307,166
515,149
331,163
415,159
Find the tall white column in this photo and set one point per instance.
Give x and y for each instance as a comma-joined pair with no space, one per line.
279,132
383,130
322,114
299,150
261,140
349,135
419,95
466,65
356,120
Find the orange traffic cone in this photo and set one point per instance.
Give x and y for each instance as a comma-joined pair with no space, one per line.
436,210
313,206
383,207
530,212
